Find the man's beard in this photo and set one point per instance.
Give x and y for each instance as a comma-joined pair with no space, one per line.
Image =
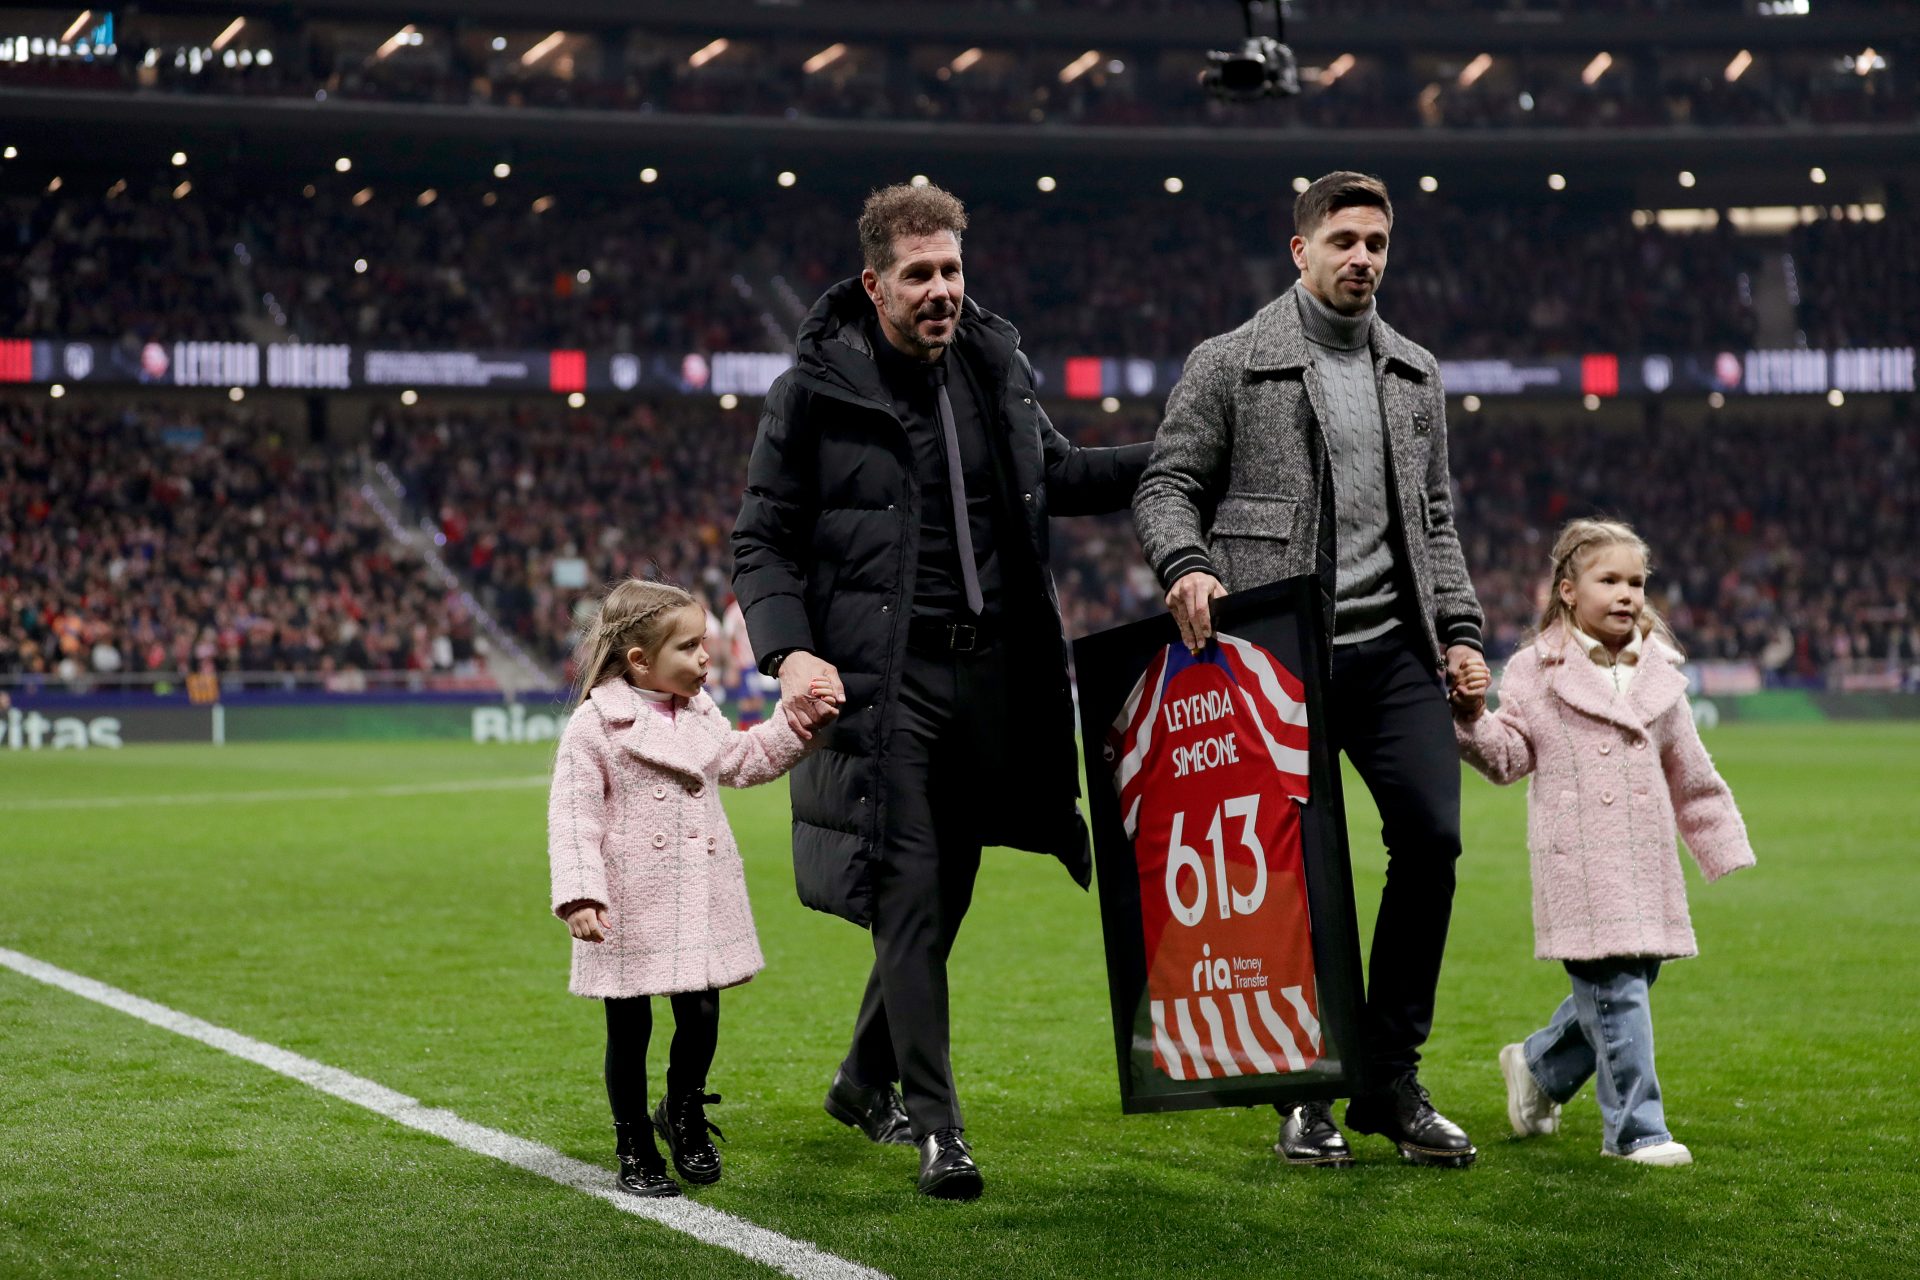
910,326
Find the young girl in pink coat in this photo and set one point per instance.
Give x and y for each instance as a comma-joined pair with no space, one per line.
645,870
1595,709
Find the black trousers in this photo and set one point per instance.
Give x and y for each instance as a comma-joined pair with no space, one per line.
1388,712
696,1032
949,726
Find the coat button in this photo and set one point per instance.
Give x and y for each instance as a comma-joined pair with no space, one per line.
1640,744
886,608
693,789
712,841
659,793
1606,748
659,841
889,506
1606,797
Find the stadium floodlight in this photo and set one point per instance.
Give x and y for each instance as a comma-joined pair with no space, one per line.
576,400
1836,397
787,178
1174,186
825,58
1262,67
1470,403
359,266
1079,66
547,45
1110,404
920,180
1429,183
1686,178
649,175
1817,174
409,397
499,44
10,153
1046,183
503,170
342,165
729,401
179,158
236,394
56,391
1300,185
1557,181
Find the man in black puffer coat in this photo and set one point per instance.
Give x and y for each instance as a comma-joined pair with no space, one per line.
893,541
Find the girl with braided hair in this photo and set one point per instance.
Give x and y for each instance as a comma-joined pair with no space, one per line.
1595,710
645,870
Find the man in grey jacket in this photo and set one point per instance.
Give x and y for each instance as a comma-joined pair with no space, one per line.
1313,440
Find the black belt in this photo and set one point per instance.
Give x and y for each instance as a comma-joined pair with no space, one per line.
944,635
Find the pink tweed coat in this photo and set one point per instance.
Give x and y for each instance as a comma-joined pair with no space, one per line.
634,823
1613,775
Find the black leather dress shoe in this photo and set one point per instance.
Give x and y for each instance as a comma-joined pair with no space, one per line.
947,1170
1403,1114
1308,1136
642,1171
878,1113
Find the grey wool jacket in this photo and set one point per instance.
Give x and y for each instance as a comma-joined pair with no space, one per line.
1239,484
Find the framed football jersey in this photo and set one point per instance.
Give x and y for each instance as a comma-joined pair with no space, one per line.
1226,897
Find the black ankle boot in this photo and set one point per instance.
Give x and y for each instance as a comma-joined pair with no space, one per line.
642,1171
682,1121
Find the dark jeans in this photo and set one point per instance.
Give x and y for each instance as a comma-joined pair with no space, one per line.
950,723
1388,711
696,1031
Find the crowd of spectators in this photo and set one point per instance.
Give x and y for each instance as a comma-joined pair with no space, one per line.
528,497
1858,284
1083,274
111,265
473,269
1790,543
168,539
176,538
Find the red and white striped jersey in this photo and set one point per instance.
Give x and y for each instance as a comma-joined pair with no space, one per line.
1210,760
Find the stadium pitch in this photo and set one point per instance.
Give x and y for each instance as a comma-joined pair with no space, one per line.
381,909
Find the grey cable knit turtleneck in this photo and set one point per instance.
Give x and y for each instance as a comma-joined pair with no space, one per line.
1364,594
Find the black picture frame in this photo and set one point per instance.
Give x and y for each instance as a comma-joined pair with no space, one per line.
1284,619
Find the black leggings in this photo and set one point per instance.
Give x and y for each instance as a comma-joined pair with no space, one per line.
696,1029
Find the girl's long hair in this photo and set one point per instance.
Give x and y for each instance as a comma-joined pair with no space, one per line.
634,613
1573,550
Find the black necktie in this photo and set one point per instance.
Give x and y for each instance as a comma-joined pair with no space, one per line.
957,491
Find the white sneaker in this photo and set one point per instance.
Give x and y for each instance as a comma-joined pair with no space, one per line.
1666,1155
1529,1109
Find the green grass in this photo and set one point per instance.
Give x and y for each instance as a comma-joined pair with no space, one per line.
406,939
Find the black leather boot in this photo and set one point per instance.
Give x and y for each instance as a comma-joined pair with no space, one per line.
682,1121
1308,1136
1402,1113
642,1171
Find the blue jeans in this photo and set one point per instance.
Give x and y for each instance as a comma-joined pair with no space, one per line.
1605,1030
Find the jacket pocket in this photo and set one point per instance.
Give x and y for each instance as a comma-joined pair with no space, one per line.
1267,516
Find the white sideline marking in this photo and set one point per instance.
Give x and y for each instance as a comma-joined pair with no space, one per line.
796,1258
287,793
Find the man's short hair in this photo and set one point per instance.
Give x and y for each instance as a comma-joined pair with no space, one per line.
1341,189
905,210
